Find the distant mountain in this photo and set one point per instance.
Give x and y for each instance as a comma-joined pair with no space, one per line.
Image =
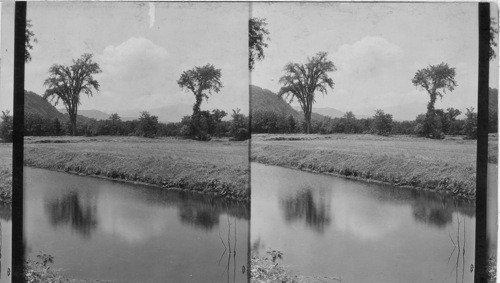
173,113
266,100
325,111
328,111
94,114
35,104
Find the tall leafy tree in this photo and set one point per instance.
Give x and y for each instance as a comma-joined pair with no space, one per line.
301,81
67,83
29,39
258,34
148,125
436,80
202,82
382,123
493,43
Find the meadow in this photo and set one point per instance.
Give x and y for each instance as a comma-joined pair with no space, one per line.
219,167
447,165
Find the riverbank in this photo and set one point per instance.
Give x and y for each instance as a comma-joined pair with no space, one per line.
5,172
218,167
447,165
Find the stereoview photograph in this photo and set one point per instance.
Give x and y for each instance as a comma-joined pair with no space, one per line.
363,149
136,141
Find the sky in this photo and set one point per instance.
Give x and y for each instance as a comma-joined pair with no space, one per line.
376,48
142,49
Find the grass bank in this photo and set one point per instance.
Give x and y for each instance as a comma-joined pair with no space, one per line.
447,165
6,172
217,167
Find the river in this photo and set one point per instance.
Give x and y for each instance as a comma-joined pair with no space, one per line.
106,230
331,229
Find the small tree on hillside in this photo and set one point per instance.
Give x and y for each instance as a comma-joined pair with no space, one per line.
257,34
66,83
382,123
201,81
436,80
301,81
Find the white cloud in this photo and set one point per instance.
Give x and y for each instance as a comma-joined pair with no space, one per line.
135,58
368,56
366,75
132,72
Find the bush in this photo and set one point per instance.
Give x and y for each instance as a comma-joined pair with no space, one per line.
148,125
470,127
238,129
6,127
382,123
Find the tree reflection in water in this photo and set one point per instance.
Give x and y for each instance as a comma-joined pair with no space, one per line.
201,217
437,210
70,210
438,216
302,206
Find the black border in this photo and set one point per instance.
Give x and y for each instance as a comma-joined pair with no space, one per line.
481,247
18,144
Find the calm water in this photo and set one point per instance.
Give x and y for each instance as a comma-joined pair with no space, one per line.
99,229
492,213
5,242
359,232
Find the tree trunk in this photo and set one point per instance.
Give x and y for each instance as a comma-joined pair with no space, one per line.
430,116
307,114
196,115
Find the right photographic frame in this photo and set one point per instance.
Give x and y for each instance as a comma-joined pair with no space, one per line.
367,141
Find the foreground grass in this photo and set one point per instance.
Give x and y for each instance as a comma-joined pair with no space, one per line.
438,165
5,172
217,167
39,270
268,269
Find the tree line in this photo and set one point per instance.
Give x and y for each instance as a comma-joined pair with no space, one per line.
147,125
380,123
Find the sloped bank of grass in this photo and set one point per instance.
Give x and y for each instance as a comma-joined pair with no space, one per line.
6,172
215,167
438,165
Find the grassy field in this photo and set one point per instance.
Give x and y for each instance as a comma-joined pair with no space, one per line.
217,167
5,172
439,165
